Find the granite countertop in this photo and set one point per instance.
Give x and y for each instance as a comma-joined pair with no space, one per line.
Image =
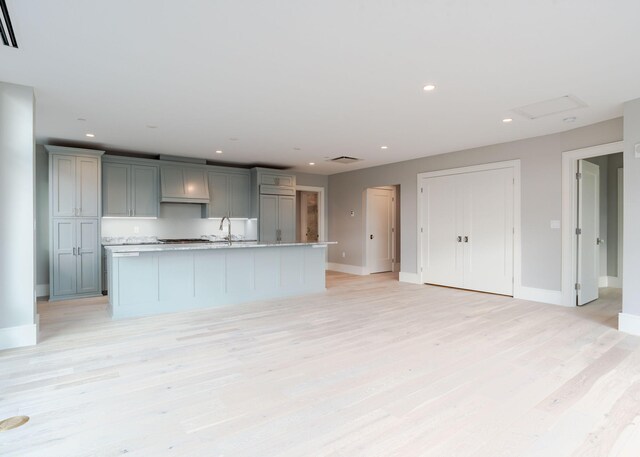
202,246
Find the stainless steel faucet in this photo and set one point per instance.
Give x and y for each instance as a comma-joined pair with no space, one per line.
229,223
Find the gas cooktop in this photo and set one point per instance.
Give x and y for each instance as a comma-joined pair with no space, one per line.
183,240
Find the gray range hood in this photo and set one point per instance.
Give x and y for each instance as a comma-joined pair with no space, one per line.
183,184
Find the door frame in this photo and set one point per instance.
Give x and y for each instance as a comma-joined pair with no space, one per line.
517,228
570,213
321,206
394,234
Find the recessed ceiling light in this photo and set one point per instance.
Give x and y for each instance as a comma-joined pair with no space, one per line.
384,147
429,87
506,120
312,163
152,126
296,149
81,119
570,119
233,139
218,151
90,135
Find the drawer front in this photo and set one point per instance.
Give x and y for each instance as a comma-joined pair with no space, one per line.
277,180
276,190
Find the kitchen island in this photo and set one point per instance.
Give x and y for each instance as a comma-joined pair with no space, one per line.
161,278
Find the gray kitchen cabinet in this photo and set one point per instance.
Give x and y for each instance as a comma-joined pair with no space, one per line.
76,257
74,207
277,218
130,190
116,190
75,181
229,195
184,184
240,198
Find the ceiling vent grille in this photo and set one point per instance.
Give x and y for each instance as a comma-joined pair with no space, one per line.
6,29
344,159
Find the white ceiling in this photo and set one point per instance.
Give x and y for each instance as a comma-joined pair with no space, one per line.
328,77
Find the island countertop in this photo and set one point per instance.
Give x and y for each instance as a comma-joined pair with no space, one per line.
206,246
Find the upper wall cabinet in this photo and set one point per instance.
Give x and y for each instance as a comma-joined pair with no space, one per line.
130,190
74,181
184,184
229,195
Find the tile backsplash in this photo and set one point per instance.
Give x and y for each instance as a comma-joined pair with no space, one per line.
177,220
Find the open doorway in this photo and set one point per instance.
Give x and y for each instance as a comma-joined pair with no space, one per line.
382,222
310,223
598,229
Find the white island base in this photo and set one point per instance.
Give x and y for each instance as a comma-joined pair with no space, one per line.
147,280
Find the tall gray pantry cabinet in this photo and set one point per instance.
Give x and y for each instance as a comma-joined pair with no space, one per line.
74,212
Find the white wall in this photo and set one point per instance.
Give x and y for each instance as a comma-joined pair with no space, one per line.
541,161
17,210
630,317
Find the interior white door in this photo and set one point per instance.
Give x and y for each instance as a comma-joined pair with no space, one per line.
488,231
442,227
589,224
379,222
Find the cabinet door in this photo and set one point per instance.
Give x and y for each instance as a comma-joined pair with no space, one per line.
116,190
442,234
287,218
88,255
63,188
268,218
277,179
64,257
87,186
218,195
196,185
144,191
488,231
240,190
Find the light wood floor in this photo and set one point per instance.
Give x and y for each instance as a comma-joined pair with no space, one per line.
372,367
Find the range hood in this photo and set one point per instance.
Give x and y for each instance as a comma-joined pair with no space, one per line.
183,185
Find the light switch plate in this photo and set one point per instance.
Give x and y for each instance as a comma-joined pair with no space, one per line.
637,150
554,224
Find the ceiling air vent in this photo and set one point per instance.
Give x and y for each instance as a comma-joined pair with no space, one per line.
344,159
549,107
6,29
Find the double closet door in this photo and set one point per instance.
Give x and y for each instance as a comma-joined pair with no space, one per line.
467,230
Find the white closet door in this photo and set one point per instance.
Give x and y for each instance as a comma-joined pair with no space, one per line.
589,239
379,223
442,225
488,231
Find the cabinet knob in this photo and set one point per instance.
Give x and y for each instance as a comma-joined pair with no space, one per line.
466,239
459,239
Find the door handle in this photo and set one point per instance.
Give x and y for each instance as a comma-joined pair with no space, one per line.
74,251
599,241
371,236
466,239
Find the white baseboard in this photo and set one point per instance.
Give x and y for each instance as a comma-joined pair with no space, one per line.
42,290
344,268
629,323
16,337
413,278
552,297
614,281
603,281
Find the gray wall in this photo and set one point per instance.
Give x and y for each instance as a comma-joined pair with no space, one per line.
17,271
615,161
541,198
631,258
42,215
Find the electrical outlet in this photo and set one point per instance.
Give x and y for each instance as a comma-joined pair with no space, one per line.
352,213
136,229
344,254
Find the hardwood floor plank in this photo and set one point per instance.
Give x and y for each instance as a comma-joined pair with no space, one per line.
370,367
